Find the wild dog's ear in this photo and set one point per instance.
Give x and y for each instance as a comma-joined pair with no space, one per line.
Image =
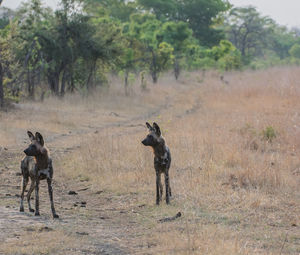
39,138
149,127
30,135
156,128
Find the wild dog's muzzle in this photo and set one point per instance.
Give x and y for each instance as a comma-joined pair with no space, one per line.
27,152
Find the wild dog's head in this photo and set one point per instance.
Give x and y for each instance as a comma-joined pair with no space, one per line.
154,137
36,147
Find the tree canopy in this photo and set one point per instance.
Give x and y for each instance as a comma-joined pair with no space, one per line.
73,48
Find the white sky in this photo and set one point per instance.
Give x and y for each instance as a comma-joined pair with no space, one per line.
284,12
15,3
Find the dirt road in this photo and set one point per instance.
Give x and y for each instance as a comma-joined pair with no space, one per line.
91,221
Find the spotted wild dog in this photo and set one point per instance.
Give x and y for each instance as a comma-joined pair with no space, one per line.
162,160
36,165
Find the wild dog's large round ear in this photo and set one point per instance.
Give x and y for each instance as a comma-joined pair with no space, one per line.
149,126
39,138
157,129
30,135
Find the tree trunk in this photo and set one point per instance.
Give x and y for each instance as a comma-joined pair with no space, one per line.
30,84
154,76
53,80
126,82
1,87
56,84
63,84
90,84
153,68
42,96
72,84
51,83
176,69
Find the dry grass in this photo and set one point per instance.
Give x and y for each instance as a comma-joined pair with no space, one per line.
223,172
39,241
238,192
55,116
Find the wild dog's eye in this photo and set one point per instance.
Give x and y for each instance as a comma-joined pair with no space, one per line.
33,146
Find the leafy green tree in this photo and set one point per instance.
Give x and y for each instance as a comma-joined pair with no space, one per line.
131,60
163,9
295,51
116,9
178,35
9,66
117,50
249,31
157,54
261,41
226,56
68,49
201,15
162,59
75,46
281,41
5,15
32,15
3,66
195,55
108,44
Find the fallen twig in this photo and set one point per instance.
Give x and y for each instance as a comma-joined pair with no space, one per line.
168,219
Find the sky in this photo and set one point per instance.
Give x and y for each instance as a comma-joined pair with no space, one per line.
284,12
15,3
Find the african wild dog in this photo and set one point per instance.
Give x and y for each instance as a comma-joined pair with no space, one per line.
162,160
37,165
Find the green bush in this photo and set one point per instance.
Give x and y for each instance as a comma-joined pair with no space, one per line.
269,134
224,57
295,51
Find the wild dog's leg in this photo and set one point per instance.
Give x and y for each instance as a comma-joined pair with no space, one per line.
24,184
49,181
167,187
170,189
37,183
50,190
161,191
158,181
29,194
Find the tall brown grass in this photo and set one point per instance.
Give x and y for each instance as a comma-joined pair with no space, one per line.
238,192
223,172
